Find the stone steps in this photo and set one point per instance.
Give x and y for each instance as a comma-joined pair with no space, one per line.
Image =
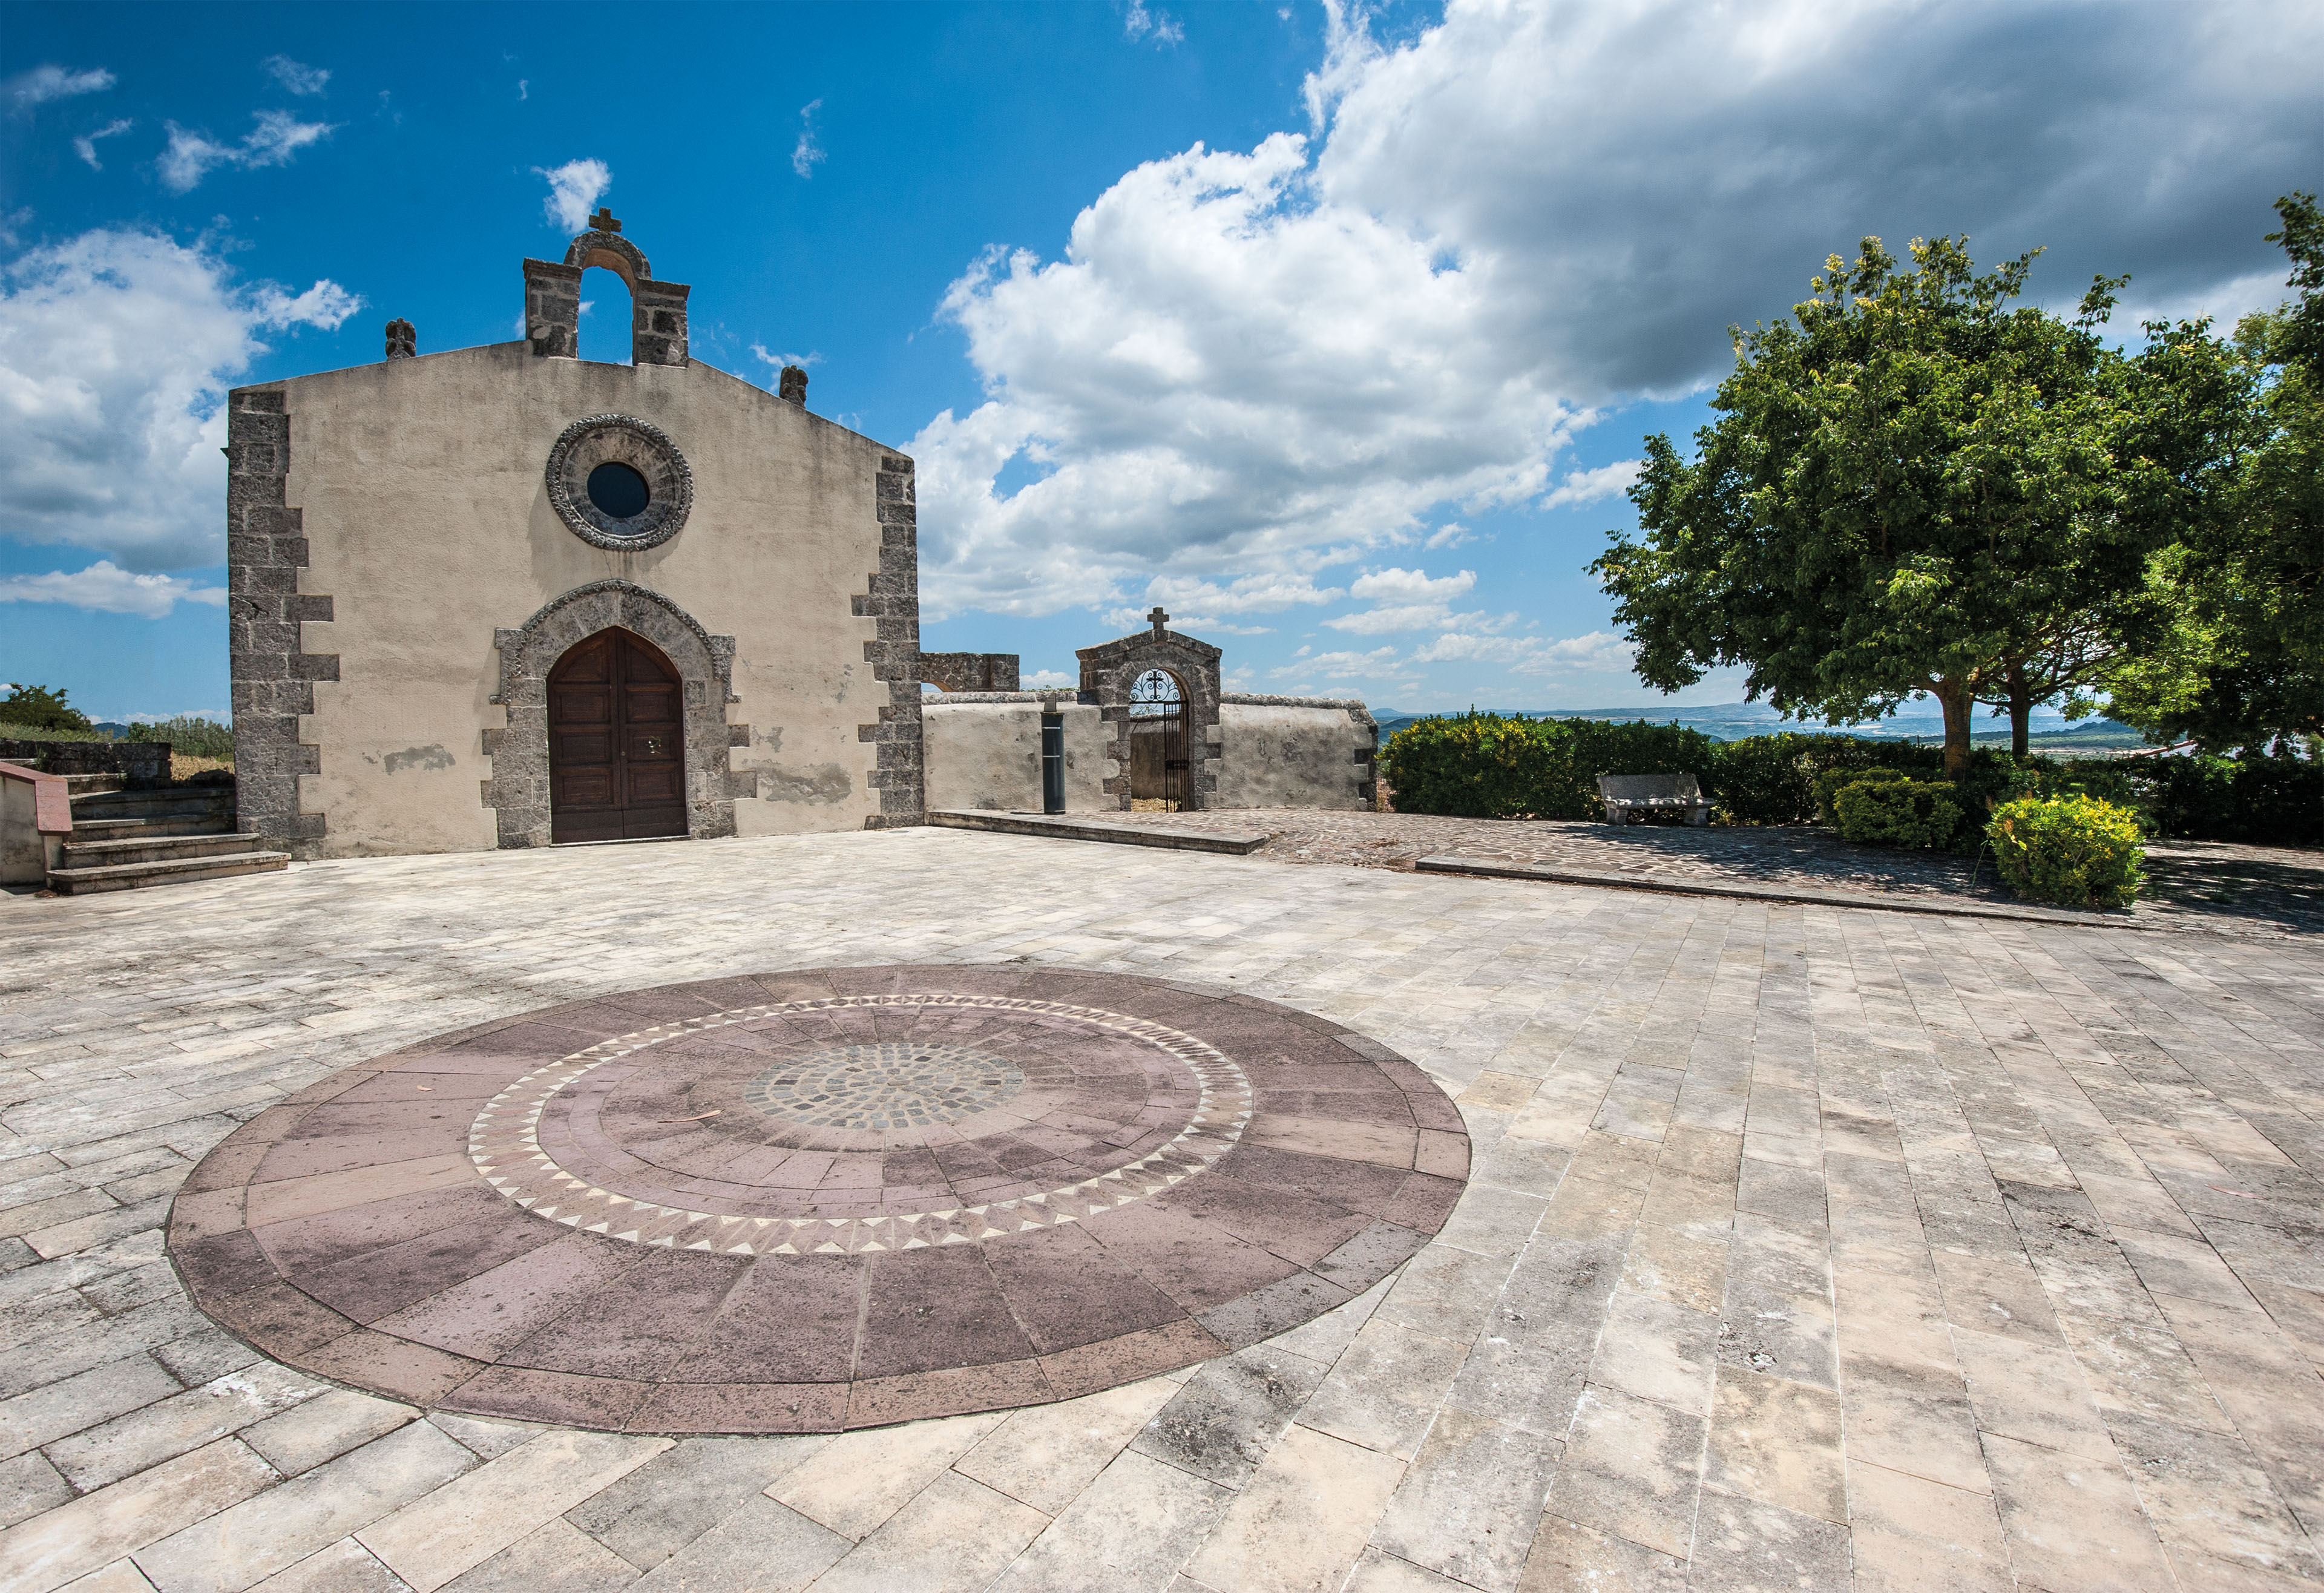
135,876
202,823
125,840
150,848
169,802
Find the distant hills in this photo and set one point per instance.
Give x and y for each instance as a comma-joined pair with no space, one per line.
1731,722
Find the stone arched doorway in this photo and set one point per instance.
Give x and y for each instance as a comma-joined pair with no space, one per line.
1160,771
616,741
520,788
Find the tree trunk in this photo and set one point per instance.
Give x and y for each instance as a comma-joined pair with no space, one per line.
2020,710
1959,708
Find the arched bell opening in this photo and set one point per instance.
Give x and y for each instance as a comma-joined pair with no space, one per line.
608,314
1161,769
616,741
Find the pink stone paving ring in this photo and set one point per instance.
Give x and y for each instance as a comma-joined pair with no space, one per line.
823,1199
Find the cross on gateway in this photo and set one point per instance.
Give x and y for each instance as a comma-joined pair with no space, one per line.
1160,618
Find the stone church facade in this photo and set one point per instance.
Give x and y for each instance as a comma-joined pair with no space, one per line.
503,596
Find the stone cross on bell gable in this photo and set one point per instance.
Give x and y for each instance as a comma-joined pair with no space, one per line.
604,222
1160,618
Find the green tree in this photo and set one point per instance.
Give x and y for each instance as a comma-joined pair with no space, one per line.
2244,660
1913,488
42,708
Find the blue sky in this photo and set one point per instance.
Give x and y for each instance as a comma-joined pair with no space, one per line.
1332,331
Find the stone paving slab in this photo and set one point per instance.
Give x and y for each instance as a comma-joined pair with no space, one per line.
1803,1247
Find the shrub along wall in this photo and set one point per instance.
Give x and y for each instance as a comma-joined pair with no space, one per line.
1487,765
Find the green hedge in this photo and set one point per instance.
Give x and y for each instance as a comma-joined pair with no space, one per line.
1885,809
1489,766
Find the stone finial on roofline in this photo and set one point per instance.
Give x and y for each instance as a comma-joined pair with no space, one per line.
1159,620
403,340
794,385
604,222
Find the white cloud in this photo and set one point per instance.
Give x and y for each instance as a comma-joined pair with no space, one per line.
1597,653
1654,170
807,152
1266,593
1292,357
573,188
776,362
295,77
45,83
1186,624
1223,379
84,146
116,350
1412,585
1453,535
1411,600
191,156
1042,677
1138,22
105,586
1591,486
1379,664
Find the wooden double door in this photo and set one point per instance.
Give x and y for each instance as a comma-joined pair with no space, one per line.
616,741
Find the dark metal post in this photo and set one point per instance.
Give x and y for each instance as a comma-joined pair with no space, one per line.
1053,763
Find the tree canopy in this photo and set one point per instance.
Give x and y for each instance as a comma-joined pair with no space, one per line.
1915,486
2243,660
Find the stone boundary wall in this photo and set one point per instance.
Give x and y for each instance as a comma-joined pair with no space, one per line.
1055,694
138,763
1253,700
274,678
1296,752
970,672
893,597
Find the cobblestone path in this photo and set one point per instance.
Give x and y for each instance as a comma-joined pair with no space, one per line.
1802,1248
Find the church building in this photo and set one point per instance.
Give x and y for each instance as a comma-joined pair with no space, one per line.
504,596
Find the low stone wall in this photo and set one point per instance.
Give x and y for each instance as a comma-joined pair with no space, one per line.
138,763
1296,753
982,750
970,672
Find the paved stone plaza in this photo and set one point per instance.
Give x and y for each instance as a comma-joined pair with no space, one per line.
1802,1248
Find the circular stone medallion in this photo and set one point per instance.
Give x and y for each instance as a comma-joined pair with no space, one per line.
810,1201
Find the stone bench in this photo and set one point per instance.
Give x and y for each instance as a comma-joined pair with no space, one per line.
1632,796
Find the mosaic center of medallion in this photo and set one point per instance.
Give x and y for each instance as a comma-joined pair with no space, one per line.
893,1084
1006,1116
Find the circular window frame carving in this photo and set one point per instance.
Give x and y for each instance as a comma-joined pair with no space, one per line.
644,447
